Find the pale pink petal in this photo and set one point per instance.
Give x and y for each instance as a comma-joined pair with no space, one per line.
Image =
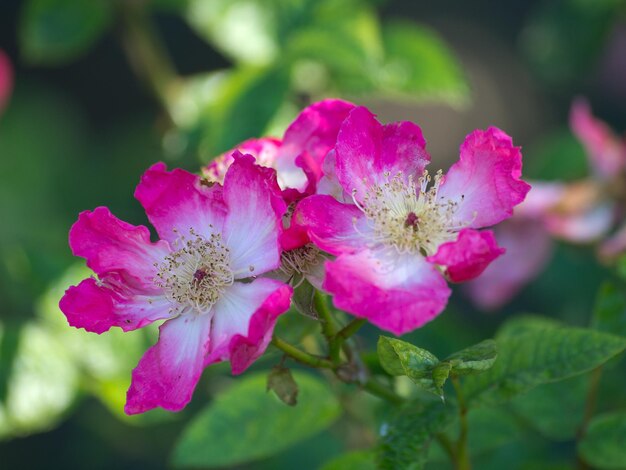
264,151
244,319
542,198
167,374
96,306
485,183
615,245
177,201
6,80
582,227
332,226
366,150
607,153
467,256
307,141
109,244
528,250
254,222
395,292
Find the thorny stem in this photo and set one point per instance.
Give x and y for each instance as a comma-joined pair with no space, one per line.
590,405
461,460
146,53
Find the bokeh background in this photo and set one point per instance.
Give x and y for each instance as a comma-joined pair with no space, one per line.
102,89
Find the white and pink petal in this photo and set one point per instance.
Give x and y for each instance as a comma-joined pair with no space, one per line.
485,184
167,374
397,293
331,225
244,319
367,151
112,245
96,306
177,202
253,225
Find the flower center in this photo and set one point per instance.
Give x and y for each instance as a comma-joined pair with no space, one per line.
195,276
300,260
407,214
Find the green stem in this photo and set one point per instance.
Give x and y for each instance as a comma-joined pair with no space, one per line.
462,459
350,329
590,406
146,53
447,445
301,356
376,388
329,329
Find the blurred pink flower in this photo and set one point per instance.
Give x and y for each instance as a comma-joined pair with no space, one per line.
583,211
397,232
6,80
211,239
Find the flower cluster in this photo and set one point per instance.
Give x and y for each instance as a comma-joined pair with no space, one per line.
341,200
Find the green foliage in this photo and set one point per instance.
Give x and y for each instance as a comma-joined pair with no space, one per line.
424,369
40,379
556,409
247,423
418,65
477,358
538,356
609,313
604,443
56,31
405,439
564,37
356,460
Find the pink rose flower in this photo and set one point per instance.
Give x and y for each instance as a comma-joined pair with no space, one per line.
211,239
394,228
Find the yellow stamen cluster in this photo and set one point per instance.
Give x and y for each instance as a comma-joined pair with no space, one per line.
195,276
408,215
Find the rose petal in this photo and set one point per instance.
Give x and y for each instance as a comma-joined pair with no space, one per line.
485,183
167,374
177,201
467,256
366,150
397,293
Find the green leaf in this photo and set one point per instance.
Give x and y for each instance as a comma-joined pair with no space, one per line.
540,356
401,358
246,423
477,358
609,313
356,460
406,437
281,382
56,31
42,381
521,324
419,65
556,409
604,443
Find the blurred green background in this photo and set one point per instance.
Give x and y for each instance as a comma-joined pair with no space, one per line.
104,88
